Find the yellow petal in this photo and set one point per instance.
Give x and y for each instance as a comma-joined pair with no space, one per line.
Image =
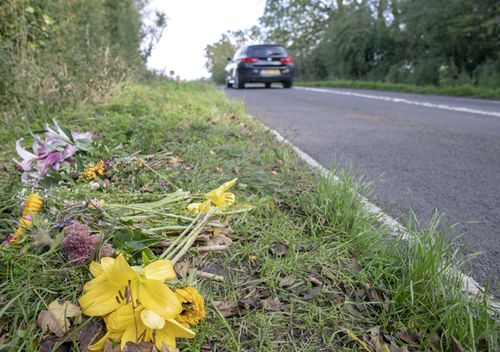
133,333
152,320
121,318
194,208
99,301
121,272
228,184
158,297
176,329
160,270
99,268
163,338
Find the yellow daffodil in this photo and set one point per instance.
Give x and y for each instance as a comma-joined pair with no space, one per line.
31,207
91,171
218,197
193,306
138,324
116,283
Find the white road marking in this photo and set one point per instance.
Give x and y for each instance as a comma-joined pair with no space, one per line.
470,286
404,101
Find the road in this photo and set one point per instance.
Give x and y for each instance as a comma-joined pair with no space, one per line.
422,152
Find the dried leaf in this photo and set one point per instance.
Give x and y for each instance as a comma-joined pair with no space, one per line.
182,268
287,281
456,346
219,240
272,304
249,303
108,347
279,249
355,266
229,308
408,337
55,318
313,292
140,347
88,334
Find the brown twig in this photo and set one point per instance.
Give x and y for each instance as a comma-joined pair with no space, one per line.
210,276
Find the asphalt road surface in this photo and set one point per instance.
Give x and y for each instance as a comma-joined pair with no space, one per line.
423,153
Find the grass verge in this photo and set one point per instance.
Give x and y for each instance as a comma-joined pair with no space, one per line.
308,269
463,90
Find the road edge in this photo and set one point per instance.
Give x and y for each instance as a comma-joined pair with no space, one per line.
470,285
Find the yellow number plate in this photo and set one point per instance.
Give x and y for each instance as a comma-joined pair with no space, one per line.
270,72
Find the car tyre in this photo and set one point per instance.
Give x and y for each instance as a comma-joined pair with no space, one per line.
228,85
237,82
287,84
268,85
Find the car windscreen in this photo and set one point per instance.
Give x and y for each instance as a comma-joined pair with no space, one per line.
266,51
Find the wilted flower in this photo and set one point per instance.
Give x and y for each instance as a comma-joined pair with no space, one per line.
193,306
31,207
218,197
55,152
93,171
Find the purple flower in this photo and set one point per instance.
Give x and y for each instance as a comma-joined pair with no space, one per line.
79,244
55,152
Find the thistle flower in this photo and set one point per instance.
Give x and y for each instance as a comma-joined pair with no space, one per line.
217,197
193,306
93,171
80,245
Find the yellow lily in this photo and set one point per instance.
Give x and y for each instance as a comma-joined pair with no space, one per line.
218,197
116,284
138,324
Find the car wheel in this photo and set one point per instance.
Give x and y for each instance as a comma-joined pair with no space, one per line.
228,85
268,85
237,82
287,84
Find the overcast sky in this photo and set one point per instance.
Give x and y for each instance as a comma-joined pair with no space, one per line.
192,24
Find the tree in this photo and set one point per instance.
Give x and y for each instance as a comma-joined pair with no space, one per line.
217,55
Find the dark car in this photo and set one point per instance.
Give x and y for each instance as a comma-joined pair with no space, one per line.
264,63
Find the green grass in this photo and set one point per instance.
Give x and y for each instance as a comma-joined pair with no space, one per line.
344,273
461,90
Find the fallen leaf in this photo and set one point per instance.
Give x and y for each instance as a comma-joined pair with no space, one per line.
408,337
355,266
219,240
279,249
108,347
313,292
182,268
229,308
272,304
55,317
141,347
249,303
88,334
456,346
287,281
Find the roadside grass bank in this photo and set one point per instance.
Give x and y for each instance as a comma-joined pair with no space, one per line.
462,90
307,269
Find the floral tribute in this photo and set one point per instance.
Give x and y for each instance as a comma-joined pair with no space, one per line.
55,152
138,305
116,225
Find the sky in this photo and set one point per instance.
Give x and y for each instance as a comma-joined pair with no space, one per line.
191,25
